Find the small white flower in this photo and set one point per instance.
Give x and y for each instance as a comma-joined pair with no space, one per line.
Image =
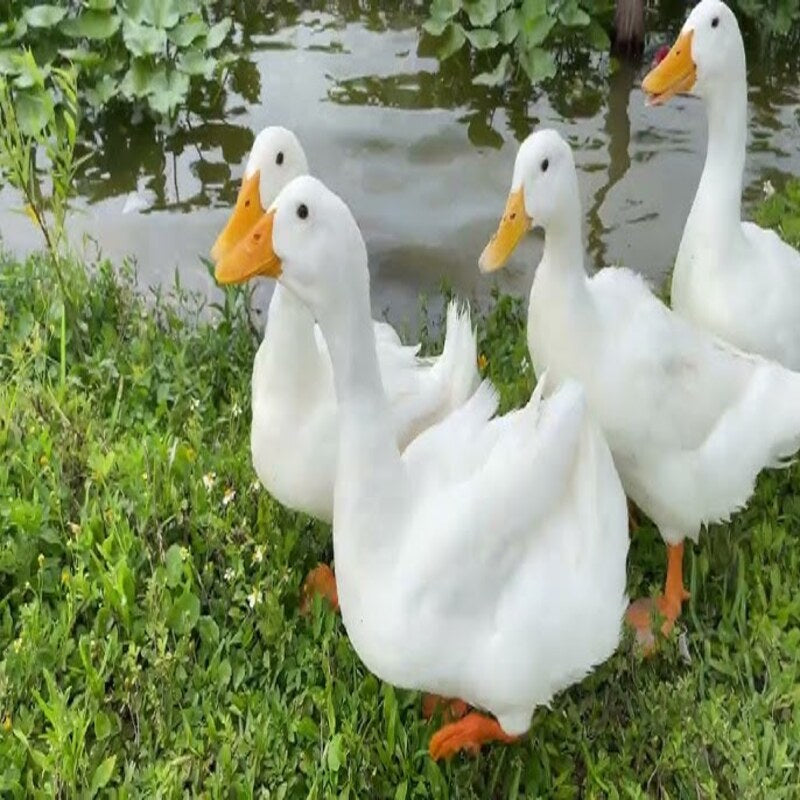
255,486
258,555
525,365
209,479
236,411
184,553
768,188
229,496
254,598
229,574
194,404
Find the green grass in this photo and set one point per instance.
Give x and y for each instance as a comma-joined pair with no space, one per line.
150,637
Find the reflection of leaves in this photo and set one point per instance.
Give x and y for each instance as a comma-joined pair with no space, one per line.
538,64
452,41
498,75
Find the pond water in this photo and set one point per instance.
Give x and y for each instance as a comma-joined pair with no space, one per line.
422,156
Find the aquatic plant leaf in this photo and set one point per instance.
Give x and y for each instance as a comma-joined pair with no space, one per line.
497,76
136,83
483,38
34,107
91,24
216,36
538,64
481,12
454,39
195,62
445,10
531,9
81,56
597,35
9,61
168,90
44,16
434,26
573,17
158,13
508,26
100,5
536,30
102,91
187,32
144,40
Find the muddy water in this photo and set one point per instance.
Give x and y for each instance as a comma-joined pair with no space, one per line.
422,156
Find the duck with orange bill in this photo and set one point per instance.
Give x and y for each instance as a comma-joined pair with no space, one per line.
733,278
486,561
294,426
690,420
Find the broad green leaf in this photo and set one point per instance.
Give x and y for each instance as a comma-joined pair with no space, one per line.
144,40
508,26
453,41
483,38
208,630
9,62
105,725
481,12
538,64
573,17
216,36
102,91
597,36
195,62
531,9
102,775
161,14
535,31
100,5
497,76
81,56
44,16
445,9
138,78
174,565
91,24
185,612
34,109
335,754
184,34
435,27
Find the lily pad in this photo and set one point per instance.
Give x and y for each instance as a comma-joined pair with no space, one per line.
92,24
44,16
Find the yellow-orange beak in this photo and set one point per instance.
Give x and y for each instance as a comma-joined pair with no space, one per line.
513,226
252,256
676,73
246,213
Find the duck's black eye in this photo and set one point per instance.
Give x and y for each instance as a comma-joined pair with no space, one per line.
715,22
279,159
545,164
302,211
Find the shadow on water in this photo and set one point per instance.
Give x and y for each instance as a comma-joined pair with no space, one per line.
422,155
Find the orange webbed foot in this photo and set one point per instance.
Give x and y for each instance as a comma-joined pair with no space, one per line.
453,708
322,581
469,733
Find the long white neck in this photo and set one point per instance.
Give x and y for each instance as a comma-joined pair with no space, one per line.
717,204
370,479
291,356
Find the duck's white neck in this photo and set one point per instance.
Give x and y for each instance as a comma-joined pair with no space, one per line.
370,472
719,195
292,352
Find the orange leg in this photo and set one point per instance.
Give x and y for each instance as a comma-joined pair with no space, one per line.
453,709
319,581
469,733
640,613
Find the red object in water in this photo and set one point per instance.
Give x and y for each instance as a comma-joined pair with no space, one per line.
660,55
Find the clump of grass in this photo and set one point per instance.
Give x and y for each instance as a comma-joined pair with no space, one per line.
150,638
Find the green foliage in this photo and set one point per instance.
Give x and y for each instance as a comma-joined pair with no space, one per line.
772,17
150,638
782,211
523,32
144,51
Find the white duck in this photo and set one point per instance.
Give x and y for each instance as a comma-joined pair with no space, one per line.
733,278
690,420
294,430
487,560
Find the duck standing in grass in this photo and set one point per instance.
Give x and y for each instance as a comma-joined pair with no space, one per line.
732,278
690,420
293,437
487,560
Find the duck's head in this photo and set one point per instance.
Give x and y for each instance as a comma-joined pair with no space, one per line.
275,159
309,241
708,54
544,192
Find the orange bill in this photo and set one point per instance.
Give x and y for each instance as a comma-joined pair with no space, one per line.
513,226
252,256
676,72
246,213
